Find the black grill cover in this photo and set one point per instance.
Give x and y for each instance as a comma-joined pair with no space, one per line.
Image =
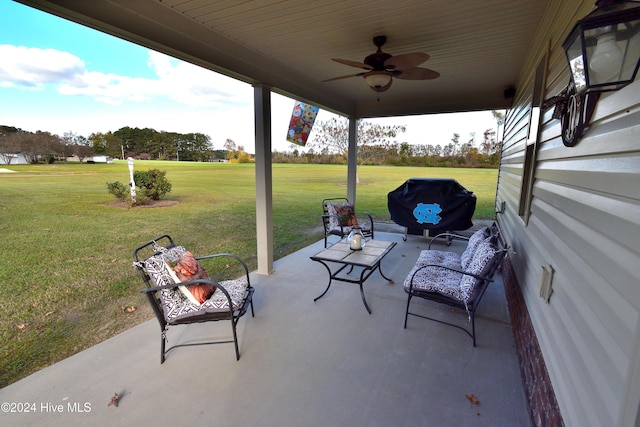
433,204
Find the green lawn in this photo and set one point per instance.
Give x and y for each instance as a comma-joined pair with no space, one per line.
66,251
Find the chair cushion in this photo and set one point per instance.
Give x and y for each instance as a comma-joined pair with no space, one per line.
432,256
341,214
481,258
475,239
175,304
447,282
435,279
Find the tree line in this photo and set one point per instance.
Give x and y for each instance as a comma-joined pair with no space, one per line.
126,142
40,146
377,145
150,144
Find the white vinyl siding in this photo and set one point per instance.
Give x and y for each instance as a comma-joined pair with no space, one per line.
584,221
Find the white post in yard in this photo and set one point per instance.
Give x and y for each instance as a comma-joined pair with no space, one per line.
132,183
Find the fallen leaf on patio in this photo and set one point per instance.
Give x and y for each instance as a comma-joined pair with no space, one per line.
472,398
21,326
114,400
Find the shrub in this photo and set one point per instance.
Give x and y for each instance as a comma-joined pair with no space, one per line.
153,183
118,189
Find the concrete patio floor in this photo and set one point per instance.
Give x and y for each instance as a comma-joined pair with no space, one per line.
303,363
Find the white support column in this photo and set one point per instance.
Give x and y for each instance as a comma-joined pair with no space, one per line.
352,161
264,181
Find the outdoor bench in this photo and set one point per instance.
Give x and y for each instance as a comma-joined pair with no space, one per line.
458,281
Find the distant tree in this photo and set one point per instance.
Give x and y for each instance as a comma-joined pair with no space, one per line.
448,150
405,150
334,134
82,152
76,145
488,145
40,145
469,154
332,137
498,116
455,140
230,146
9,144
106,143
33,146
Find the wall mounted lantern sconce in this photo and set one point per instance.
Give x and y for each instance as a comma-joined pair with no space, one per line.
603,52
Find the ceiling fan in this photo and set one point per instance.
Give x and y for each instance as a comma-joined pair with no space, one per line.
382,67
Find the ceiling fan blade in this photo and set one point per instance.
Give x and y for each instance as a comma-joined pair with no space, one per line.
353,63
343,77
406,61
418,73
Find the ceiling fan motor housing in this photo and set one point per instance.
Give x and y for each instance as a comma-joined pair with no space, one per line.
376,60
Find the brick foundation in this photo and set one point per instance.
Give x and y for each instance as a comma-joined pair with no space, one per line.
541,400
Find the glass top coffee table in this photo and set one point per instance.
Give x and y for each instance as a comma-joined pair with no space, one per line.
340,256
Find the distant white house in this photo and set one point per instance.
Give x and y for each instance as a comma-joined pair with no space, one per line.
101,159
13,159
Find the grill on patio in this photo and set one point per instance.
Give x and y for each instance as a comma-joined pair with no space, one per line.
434,204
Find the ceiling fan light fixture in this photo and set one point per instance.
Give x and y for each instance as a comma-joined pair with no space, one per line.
378,80
382,67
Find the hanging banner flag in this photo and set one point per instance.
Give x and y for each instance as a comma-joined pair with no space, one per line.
301,123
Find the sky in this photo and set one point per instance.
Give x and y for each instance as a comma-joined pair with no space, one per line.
61,77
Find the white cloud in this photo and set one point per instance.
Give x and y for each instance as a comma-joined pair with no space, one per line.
195,86
181,82
179,97
33,68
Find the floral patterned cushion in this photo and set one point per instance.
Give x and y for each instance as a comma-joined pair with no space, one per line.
175,304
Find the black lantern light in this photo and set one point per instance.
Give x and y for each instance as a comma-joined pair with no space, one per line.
603,51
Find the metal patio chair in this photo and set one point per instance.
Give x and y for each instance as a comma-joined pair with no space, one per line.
338,216
170,300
